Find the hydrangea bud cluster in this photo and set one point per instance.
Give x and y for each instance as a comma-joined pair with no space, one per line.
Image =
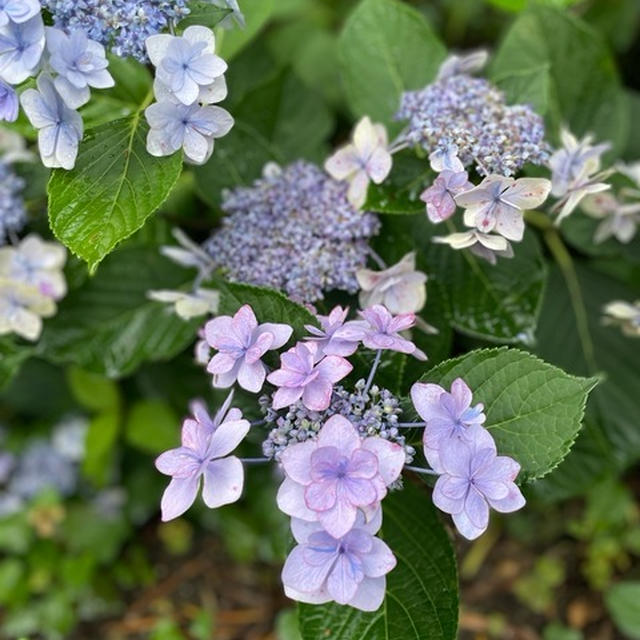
43,464
12,212
121,25
293,230
339,446
470,114
31,282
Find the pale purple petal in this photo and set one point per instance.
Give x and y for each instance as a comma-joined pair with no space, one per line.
296,461
379,561
179,496
370,594
344,578
340,433
299,575
227,437
290,500
338,520
223,482
286,396
251,376
317,394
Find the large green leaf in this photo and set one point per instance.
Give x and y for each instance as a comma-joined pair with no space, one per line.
422,594
584,88
623,602
386,47
256,13
115,186
613,437
268,305
204,13
109,326
534,410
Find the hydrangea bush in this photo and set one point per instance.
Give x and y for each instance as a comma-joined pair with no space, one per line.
408,319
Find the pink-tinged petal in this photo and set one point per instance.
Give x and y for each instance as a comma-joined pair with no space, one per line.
178,497
344,579
286,396
290,500
262,343
527,193
340,433
380,489
303,529
338,520
477,509
491,489
199,410
228,379
195,436
227,437
370,594
480,437
442,501
317,394
180,463
251,375
300,575
461,394
334,368
402,322
286,378
379,165
369,518
504,468
433,458
244,322
454,488
296,461
317,597
368,279
456,457
217,331
223,482
321,496
358,491
426,400
391,457
379,561
221,363
281,333
343,163
510,223
513,501
363,464
465,527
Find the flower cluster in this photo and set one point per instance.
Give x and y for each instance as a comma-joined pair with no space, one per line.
12,212
43,464
470,116
31,281
189,81
293,230
121,25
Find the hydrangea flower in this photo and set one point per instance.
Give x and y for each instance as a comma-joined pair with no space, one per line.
59,127
620,220
301,376
192,128
332,478
400,288
21,47
206,445
497,203
473,479
625,315
37,263
22,307
18,11
328,337
365,159
186,63
448,416
241,342
439,197
9,104
295,231
484,245
189,305
380,330
349,570
445,158
80,63
13,215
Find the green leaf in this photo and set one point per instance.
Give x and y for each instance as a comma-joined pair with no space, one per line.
99,445
422,593
584,88
529,86
623,603
152,426
534,410
92,390
386,47
256,14
268,305
115,186
12,354
203,13
109,326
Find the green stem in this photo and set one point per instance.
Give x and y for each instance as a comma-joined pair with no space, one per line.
563,258
539,220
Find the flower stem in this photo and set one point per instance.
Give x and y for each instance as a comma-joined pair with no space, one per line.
374,368
429,472
410,425
254,460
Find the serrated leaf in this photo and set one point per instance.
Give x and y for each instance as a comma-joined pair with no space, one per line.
386,47
584,90
534,410
115,186
421,602
268,305
109,326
